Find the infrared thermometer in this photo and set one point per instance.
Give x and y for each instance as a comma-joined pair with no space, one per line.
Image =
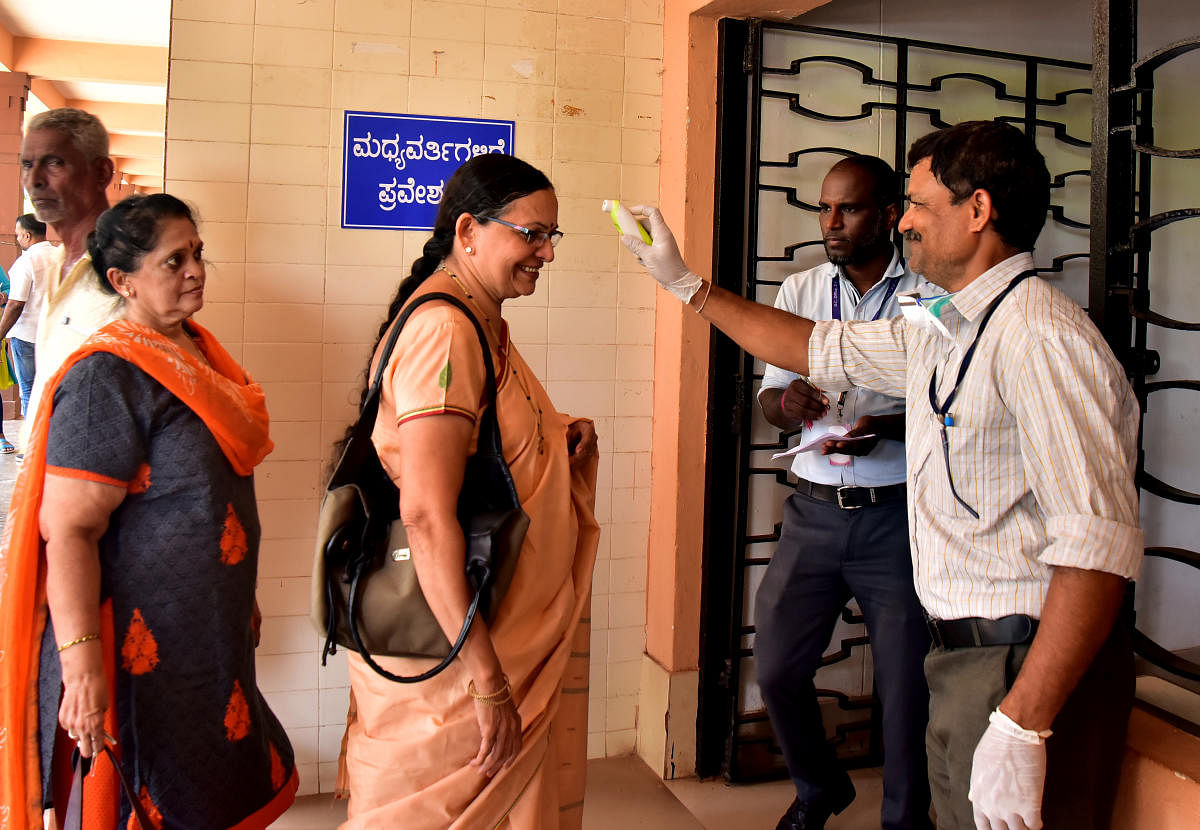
624,220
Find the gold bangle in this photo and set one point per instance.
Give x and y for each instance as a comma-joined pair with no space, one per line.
86,638
500,701
700,307
503,690
499,697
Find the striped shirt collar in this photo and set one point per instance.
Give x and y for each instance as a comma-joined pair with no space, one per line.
971,302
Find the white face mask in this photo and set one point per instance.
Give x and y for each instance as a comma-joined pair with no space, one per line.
924,312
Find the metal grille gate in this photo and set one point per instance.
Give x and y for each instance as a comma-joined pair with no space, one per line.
1136,196
793,100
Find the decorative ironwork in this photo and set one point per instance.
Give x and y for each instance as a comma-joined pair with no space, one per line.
734,736
1146,646
1122,241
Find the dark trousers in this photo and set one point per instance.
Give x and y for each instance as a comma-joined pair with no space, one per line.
1083,756
825,556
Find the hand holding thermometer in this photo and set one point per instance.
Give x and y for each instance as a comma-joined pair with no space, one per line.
657,251
624,220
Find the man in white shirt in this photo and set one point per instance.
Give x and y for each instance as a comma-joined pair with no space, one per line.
1023,516
844,530
19,321
65,171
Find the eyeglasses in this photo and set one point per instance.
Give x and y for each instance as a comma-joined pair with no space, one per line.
535,238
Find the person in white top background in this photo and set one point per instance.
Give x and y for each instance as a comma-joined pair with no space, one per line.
844,531
27,279
1021,439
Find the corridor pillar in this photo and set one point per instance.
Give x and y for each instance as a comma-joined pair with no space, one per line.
14,90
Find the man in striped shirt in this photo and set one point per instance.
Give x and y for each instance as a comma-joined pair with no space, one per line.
1023,517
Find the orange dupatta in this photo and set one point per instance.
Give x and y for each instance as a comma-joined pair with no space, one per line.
235,412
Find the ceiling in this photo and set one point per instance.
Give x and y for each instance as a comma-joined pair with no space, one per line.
109,58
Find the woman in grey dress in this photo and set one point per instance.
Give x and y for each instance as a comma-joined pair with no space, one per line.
140,480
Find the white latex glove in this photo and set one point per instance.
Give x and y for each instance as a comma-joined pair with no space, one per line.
662,259
1008,773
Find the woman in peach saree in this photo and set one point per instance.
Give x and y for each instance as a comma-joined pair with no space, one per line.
498,739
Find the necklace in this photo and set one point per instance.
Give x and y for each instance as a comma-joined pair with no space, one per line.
190,346
470,297
200,352
537,410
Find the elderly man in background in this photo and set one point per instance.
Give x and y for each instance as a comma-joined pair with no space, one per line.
65,171
27,276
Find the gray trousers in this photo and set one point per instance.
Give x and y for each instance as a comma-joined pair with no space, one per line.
1083,756
825,556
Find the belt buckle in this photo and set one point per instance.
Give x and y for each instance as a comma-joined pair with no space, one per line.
841,500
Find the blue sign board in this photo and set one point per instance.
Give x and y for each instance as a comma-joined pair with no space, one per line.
395,167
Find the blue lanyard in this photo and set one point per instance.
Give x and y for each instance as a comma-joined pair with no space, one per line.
836,292
943,409
837,296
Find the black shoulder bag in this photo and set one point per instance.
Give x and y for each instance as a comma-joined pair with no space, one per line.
366,596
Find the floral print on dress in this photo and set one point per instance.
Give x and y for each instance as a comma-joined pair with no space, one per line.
139,650
141,479
152,813
237,715
233,538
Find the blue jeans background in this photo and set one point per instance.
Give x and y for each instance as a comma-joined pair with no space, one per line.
23,364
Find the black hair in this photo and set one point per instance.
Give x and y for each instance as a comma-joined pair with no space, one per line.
887,183
483,187
129,230
31,224
996,157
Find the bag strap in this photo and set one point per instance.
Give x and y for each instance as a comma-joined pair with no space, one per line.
489,443
81,768
385,356
489,429
459,642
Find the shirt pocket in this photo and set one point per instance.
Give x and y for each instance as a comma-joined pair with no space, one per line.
983,454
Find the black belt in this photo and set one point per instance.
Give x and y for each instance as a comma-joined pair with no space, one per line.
851,498
978,631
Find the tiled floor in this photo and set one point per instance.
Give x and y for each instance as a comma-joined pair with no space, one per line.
716,804
623,793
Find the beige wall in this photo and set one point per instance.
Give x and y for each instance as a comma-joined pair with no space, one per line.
255,101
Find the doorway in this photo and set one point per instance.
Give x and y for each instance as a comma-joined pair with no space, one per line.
793,100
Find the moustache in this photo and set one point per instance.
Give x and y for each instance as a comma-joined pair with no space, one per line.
912,236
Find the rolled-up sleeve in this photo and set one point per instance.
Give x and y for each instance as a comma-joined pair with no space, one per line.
1078,421
870,354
